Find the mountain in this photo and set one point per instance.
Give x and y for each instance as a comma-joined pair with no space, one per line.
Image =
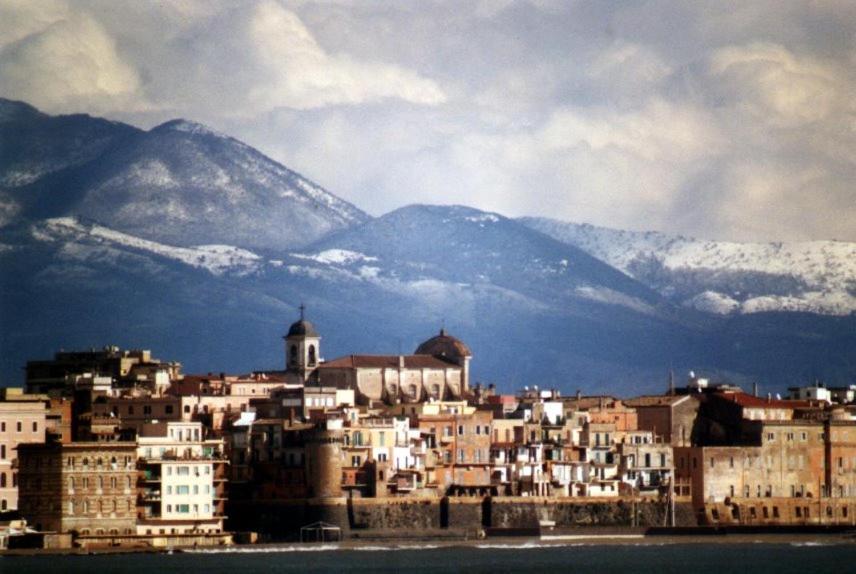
196,246
724,277
179,182
530,307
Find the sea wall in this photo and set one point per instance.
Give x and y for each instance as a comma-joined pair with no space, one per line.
467,516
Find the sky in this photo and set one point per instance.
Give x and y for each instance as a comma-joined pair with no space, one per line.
726,120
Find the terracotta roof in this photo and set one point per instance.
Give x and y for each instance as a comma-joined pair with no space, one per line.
387,362
444,345
751,401
655,400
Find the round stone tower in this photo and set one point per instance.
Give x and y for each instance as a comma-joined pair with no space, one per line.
324,460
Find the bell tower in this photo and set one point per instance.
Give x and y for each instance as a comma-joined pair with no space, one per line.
302,347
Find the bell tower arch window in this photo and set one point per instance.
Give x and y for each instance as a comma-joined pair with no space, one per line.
311,359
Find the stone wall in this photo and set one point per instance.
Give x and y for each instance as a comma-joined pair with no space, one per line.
468,516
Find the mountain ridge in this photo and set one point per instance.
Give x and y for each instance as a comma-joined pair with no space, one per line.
724,277
91,255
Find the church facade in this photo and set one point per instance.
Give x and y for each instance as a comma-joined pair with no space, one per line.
439,369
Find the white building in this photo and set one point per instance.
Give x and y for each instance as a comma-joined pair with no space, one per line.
183,483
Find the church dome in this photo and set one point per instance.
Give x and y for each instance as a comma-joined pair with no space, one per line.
302,328
444,345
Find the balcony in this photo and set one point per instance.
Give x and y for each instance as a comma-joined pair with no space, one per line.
150,496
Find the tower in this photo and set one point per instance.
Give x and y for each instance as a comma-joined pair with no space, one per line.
302,347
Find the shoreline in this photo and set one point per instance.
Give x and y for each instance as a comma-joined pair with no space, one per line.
493,543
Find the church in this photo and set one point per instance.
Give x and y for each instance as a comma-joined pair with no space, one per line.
439,369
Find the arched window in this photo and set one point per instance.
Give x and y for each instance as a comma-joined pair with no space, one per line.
436,389
358,438
2,480
85,462
100,482
293,355
71,484
112,482
413,390
311,355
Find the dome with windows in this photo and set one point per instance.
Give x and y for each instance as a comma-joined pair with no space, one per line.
444,345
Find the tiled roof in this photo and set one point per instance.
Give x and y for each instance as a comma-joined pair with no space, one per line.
751,401
387,362
655,400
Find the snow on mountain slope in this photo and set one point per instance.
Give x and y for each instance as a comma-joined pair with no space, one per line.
180,183
217,259
724,277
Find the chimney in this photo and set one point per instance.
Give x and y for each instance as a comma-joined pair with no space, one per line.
401,361
755,388
769,397
579,395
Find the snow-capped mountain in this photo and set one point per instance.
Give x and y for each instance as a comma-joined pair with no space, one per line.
193,244
724,277
180,183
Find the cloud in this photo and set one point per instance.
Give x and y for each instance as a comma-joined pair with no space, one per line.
300,74
70,64
774,85
701,118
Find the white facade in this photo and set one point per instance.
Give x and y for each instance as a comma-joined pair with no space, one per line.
181,489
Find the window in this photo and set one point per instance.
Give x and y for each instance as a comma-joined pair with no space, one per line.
168,409
711,462
187,409
183,471
147,409
19,426
460,429
312,360
460,455
2,451
182,489
35,426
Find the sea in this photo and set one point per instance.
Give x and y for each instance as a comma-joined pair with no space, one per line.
744,555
